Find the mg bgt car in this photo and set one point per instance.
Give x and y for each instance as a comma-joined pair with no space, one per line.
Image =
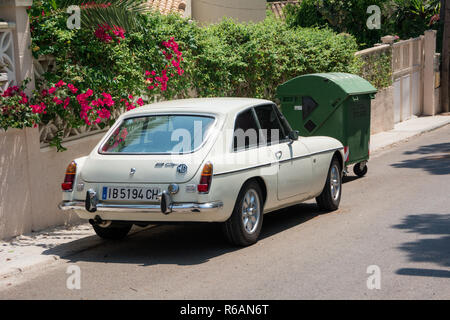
227,160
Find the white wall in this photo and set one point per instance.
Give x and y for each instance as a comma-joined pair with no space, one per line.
30,179
212,11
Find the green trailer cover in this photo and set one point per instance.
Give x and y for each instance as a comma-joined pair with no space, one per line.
330,104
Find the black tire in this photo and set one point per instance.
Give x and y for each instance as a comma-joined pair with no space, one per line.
234,228
326,200
357,170
112,232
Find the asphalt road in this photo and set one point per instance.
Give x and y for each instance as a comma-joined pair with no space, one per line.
397,218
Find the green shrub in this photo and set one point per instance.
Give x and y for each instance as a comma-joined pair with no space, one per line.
404,18
342,16
377,69
253,59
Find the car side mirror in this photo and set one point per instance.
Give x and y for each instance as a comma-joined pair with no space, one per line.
293,135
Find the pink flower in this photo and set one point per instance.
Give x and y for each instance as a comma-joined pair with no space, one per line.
140,102
107,99
57,100
130,106
38,108
60,83
66,102
104,113
72,88
52,90
24,99
102,33
119,32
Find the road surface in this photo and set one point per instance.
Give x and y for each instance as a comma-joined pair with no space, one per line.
397,219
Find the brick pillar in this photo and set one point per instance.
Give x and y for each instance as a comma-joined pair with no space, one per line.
428,73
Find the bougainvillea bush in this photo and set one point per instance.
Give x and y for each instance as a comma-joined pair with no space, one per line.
107,69
15,111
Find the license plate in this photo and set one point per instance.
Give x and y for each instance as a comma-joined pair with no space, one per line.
130,193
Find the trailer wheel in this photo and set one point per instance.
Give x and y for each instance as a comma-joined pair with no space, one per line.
360,169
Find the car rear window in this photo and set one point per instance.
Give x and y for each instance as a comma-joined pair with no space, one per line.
162,134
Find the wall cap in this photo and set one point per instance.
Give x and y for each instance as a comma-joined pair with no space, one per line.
7,25
15,3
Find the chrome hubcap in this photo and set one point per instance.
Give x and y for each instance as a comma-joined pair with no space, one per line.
250,211
335,183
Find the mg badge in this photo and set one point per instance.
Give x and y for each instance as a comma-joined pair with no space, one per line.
182,168
132,171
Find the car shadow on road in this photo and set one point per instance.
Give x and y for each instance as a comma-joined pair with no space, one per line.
347,178
186,244
435,159
435,249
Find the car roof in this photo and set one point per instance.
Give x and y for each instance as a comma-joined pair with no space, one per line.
199,105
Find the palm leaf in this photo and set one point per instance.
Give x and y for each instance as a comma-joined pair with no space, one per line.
123,13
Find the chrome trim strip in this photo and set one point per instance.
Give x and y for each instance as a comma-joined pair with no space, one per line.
183,207
276,162
311,154
244,169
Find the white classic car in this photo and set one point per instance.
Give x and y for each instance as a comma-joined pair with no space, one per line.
227,160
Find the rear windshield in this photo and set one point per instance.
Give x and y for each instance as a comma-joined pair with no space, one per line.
162,134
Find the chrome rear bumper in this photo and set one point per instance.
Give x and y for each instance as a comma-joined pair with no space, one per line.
92,204
149,208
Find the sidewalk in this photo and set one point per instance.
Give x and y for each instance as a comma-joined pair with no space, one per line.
42,248
407,129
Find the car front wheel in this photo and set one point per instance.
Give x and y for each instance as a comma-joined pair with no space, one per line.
244,225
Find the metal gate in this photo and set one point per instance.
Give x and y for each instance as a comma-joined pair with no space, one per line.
407,68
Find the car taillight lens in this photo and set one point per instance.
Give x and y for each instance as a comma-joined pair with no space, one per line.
69,178
206,178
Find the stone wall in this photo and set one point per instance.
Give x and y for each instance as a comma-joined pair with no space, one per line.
382,111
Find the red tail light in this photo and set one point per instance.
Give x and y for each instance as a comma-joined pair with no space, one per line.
69,178
206,178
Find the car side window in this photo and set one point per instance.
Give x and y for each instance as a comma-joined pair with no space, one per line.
271,128
284,123
245,131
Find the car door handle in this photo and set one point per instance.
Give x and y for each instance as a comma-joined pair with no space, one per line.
278,154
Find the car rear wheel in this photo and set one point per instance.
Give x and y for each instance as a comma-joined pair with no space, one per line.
244,225
330,197
112,231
